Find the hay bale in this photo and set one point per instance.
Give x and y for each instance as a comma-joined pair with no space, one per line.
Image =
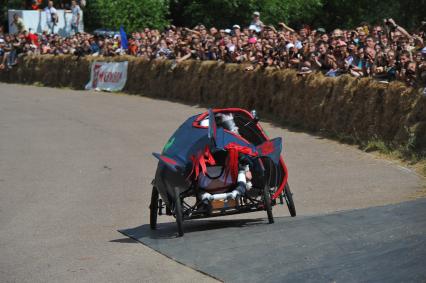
362,109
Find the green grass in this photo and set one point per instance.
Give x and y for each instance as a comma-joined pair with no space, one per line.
405,153
39,84
376,145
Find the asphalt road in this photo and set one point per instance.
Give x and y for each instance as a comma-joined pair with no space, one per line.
376,244
76,166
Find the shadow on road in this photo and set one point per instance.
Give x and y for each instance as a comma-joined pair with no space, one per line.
125,241
169,230
377,244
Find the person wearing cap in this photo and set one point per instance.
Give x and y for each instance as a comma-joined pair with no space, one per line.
236,30
320,30
256,23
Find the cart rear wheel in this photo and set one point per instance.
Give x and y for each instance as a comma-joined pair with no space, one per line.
153,207
288,195
178,212
267,204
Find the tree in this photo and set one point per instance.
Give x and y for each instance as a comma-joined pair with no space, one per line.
326,13
225,13
8,4
350,13
131,14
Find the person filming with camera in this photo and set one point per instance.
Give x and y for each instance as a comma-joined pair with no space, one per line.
51,16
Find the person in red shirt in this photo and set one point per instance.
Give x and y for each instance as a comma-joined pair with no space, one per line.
133,48
32,38
35,5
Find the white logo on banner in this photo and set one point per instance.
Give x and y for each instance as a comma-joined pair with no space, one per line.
110,76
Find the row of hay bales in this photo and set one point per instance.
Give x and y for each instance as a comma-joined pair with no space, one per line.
360,109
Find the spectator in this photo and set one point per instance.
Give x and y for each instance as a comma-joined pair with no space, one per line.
388,53
18,23
256,24
2,54
51,16
9,58
75,20
32,38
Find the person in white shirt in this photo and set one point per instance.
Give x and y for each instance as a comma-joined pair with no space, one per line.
256,24
51,16
75,21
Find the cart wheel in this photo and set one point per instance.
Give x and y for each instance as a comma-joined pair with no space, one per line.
288,195
153,207
178,212
267,203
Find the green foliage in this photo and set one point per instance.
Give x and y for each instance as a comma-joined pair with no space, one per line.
132,14
8,4
294,12
377,145
349,14
12,4
136,14
326,13
225,13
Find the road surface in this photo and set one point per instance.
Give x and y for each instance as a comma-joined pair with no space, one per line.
76,166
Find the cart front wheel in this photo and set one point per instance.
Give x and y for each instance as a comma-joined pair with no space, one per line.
178,212
288,195
267,204
153,208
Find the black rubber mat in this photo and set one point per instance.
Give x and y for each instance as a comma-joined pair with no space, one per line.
379,244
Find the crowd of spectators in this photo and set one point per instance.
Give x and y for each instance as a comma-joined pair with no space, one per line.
384,51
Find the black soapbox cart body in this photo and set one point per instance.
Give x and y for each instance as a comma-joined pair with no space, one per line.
249,173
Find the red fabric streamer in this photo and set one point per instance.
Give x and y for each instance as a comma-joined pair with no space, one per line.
201,160
232,164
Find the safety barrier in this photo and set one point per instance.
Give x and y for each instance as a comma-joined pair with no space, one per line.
359,109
